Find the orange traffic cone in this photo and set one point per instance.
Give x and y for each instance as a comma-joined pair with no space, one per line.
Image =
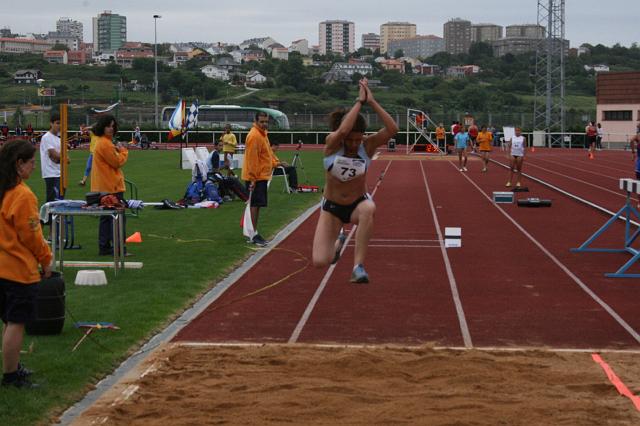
134,238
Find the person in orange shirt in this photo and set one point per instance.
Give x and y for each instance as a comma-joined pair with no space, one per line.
484,140
440,137
106,174
256,169
22,250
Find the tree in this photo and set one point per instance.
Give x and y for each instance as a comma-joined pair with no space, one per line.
18,116
144,64
480,50
112,68
398,54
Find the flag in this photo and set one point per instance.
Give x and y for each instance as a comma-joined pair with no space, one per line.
192,116
247,224
176,122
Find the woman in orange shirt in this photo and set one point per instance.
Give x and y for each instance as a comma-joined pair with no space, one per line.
22,249
484,145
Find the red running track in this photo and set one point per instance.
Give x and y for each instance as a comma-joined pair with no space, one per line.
513,283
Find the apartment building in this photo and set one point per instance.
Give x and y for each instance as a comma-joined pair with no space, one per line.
485,33
418,47
395,31
457,36
109,32
371,41
337,36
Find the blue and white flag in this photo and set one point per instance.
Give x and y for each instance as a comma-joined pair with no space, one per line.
192,115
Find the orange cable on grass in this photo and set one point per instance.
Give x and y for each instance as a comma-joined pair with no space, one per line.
620,386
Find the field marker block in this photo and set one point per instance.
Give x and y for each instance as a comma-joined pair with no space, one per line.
452,237
503,197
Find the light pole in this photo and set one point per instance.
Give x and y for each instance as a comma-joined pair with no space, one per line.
155,56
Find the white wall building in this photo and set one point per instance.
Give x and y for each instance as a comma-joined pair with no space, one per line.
301,46
217,73
281,53
337,36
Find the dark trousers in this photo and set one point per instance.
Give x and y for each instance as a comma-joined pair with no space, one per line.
105,230
292,175
52,187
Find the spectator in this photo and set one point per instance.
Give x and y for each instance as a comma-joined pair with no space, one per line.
229,144
137,136
50,159
18,131
22,249
29,132
441,135
4,131
106,174
93,139
599,137
256,170
292,173
213,160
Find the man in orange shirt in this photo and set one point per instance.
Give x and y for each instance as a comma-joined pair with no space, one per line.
256,169
22,250
106,174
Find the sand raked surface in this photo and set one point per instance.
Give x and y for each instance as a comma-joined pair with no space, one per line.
298,384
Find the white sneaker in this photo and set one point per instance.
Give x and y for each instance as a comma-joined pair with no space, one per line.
461,170
465,169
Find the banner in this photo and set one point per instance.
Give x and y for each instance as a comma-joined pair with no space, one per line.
46,91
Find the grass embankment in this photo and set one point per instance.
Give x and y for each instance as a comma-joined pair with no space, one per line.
140,302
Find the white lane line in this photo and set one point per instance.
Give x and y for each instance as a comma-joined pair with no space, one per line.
617,194
464,328
391,345
567,193
316,296
580,169
398,245
633,333
401,240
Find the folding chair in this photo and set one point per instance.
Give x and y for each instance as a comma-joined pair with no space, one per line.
281,172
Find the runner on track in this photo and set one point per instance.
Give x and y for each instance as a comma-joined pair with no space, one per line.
518,145
462,145
484,145
347,155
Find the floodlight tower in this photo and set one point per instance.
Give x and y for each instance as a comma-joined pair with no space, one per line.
549,96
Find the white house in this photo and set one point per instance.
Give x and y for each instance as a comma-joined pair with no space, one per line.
280,53
261,42
301,46
217,73
254,77
597,68
362,68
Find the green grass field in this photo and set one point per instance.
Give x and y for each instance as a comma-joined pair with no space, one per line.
140,302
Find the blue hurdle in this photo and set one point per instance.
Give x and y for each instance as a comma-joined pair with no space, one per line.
631,186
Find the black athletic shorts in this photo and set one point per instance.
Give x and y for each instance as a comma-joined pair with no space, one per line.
342,212
259,194
17,301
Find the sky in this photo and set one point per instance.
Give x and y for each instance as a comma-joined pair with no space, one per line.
587,21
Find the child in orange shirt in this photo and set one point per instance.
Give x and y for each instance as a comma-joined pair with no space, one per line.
22,249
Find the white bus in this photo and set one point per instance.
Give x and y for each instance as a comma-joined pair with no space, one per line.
239,117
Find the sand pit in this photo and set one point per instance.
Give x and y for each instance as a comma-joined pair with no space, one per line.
272,384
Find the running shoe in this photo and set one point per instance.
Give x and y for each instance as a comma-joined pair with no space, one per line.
24,371
461,170
465,169
19,381
359,275
259,241
518,185
508,184
341,239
